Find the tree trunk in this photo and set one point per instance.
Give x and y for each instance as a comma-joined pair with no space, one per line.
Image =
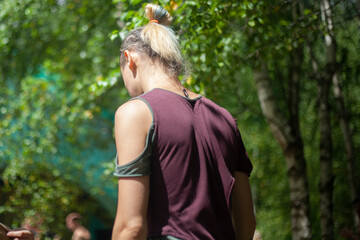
297,57
358,8
292,146
348,141
326,171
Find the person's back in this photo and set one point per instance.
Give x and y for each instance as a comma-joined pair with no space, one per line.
195,151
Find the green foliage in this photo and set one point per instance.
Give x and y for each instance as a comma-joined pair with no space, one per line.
56,63
60,87
36,195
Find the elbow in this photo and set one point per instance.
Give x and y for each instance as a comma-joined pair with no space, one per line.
251,226
245,226
131,230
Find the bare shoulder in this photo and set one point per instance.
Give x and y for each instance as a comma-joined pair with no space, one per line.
132,123
132,112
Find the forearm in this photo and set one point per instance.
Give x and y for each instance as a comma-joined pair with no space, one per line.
245,228
21,234
242,208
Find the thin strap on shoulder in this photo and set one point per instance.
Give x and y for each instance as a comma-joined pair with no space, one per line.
186,93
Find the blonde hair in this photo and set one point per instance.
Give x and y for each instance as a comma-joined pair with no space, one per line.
156,40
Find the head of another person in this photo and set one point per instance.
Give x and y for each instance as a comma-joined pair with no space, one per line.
73,221
154,44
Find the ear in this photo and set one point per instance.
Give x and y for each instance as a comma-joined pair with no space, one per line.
130,59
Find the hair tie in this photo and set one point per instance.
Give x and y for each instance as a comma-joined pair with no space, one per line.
154,21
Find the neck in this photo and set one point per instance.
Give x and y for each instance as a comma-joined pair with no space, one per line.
167,83
154,77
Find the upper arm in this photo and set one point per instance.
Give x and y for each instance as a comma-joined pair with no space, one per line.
132,122
242,207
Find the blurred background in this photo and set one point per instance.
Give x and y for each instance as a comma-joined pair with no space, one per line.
288,70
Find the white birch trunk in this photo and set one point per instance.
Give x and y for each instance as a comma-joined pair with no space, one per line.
326,168
291,144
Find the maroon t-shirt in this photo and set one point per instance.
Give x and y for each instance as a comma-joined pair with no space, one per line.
196,150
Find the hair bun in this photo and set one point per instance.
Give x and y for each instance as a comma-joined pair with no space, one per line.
155,12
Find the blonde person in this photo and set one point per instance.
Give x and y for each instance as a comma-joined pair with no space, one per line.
182,166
